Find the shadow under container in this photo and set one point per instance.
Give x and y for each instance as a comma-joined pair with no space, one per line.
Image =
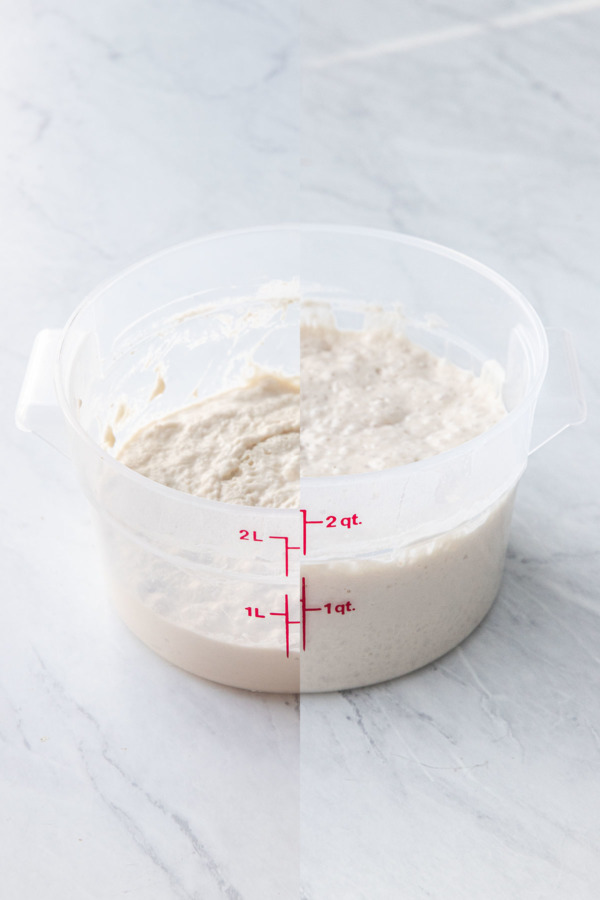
375,574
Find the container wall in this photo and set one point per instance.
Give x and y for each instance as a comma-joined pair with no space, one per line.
415,559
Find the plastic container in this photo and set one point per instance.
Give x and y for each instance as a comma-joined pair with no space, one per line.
377,574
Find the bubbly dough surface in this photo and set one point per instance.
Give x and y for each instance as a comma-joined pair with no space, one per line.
369,400
372,400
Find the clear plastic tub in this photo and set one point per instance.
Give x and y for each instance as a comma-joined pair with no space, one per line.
376,574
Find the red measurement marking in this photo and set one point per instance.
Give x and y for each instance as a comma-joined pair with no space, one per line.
257,615
306,521
340,608
306,609
330,609
245,535
280,537
288,622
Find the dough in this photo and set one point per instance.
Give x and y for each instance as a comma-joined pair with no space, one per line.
372,400
369,400
241,446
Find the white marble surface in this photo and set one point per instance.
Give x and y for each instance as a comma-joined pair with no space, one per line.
127,127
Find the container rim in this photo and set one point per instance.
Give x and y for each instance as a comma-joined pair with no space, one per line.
314,483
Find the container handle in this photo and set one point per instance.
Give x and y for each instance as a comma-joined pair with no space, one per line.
561,402
37,408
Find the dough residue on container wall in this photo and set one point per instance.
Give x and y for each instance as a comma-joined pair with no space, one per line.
159,387
369,400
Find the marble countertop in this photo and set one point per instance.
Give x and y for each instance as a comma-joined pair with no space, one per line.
129,127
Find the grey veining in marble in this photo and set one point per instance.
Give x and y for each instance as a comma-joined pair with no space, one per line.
129,127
